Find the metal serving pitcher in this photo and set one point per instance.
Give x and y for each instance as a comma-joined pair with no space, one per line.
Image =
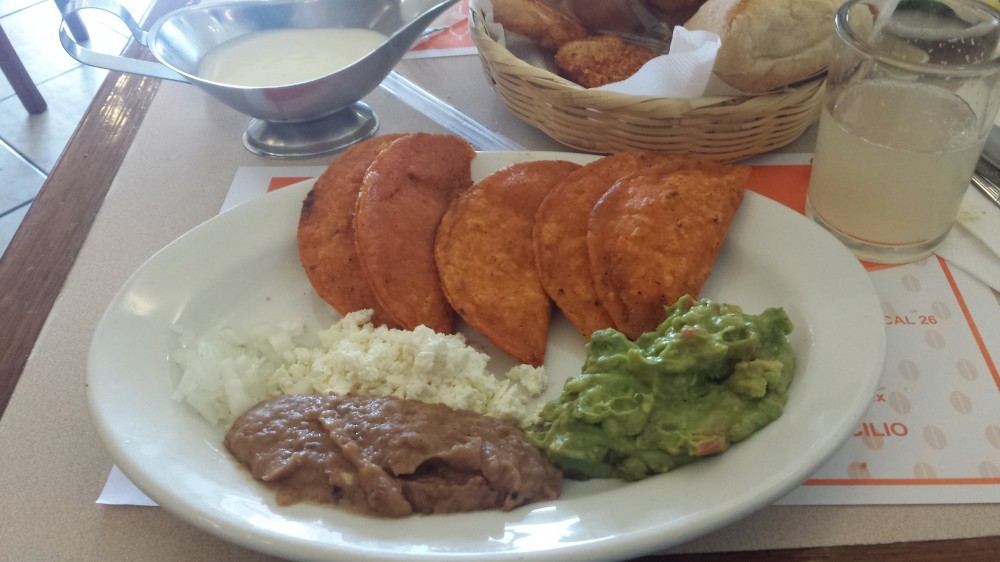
298,120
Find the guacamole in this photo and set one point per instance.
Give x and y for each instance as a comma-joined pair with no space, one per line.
709,376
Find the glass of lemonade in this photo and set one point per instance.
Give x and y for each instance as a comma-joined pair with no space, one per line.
911,97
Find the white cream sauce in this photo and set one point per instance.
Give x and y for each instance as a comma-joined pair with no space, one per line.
278,57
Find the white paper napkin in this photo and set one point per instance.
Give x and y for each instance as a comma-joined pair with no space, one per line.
974,241
684,72
119,490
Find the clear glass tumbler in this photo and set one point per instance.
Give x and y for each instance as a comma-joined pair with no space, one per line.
911,97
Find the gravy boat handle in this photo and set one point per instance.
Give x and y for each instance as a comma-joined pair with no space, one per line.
112,62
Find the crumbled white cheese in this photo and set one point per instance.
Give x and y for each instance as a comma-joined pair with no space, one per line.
224,374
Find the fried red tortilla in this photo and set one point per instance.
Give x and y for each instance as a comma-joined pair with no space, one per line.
404,195
560,235
326,231
654,237
487,263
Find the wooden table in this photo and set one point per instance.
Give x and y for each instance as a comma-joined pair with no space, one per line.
121,191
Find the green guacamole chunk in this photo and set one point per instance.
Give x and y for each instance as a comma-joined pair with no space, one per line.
709,376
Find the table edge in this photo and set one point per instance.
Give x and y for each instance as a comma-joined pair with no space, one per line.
46,244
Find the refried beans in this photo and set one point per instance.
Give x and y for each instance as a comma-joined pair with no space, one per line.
389,457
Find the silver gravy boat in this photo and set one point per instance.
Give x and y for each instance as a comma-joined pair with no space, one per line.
298,120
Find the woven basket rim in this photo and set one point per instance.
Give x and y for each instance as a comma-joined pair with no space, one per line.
721,128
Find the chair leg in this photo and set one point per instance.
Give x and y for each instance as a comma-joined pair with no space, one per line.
76,27
15,72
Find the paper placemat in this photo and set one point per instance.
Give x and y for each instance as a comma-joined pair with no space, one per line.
449,36
932,434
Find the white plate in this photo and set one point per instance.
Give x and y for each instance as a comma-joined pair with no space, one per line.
241,268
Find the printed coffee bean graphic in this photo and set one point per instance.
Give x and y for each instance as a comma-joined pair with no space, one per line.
935,438
924,470
858,471
873,442
961,402
909,370
899,403
989,470
911,283
967,370
941,310
993,435
934,339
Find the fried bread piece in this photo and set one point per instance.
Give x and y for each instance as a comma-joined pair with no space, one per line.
560,235
486,260
547,26
404,195
601,59
654,237
326,232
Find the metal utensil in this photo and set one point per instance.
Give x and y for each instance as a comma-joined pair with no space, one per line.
987,179
291,121
987,174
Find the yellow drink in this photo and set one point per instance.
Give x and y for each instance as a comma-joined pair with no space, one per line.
893,163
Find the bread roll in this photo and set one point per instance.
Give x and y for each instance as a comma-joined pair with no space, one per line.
767,44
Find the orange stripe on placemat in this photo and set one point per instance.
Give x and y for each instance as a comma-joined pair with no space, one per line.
785,184
872,266
972,325
901,481
456,36
278,183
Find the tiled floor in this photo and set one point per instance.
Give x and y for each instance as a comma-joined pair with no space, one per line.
30,145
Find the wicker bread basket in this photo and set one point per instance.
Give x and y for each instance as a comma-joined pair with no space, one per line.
713,128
